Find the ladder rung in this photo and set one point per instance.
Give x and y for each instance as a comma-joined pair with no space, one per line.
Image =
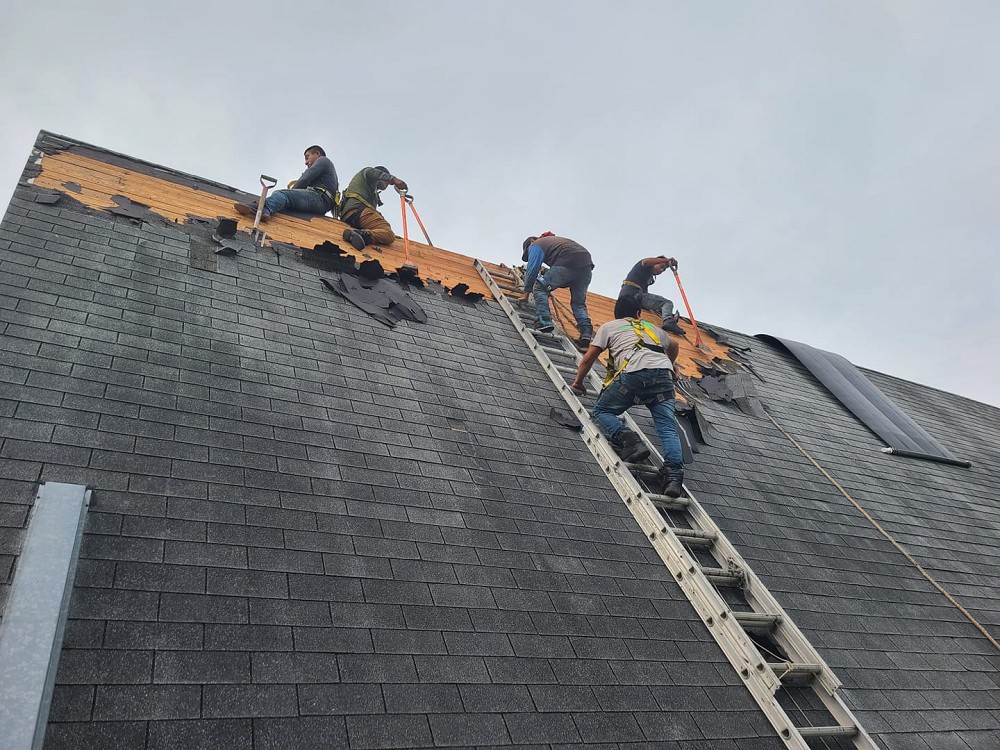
721,575
669,503
504,276
644,469
566,370
509,288
551,335
757,620
786,669
550,350
832,731
695,538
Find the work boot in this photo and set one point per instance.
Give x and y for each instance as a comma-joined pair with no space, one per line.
670,481
544,327
586,334
356,238
249,211
633,449
670,324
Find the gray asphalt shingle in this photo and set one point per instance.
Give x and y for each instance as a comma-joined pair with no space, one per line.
307,530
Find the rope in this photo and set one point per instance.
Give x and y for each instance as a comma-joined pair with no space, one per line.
968,615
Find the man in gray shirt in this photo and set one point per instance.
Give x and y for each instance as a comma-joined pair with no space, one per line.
315,192
640,371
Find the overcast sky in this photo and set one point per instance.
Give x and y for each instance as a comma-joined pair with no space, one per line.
825,172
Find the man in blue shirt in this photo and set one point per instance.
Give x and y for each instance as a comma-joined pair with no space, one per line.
315,192
569,265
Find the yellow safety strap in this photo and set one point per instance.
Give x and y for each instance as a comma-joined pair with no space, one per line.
640,327
349,194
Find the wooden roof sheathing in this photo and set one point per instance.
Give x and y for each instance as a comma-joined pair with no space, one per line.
95,183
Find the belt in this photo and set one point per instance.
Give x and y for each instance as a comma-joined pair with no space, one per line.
632,283
324,191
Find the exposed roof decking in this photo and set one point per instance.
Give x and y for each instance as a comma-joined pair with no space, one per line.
99,181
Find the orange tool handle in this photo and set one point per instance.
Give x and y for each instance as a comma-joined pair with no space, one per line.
417,217
406,235
694,323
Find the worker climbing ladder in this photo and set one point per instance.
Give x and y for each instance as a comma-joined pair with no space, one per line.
782,670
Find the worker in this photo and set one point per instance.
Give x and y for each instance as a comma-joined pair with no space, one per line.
359,208
637,284
569,265
640,371
315,192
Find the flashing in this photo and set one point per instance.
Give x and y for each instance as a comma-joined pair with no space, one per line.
31,633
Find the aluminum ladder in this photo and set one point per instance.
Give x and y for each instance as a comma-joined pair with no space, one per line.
771,655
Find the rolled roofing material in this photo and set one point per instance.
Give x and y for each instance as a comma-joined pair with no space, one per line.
863,399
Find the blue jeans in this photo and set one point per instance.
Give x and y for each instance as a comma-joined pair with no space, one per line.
306,201
558,277
642,386
652,302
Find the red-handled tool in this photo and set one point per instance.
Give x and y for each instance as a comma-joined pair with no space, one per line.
406,235
409,200
694,323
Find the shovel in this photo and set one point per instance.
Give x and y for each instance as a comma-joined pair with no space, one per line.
266,183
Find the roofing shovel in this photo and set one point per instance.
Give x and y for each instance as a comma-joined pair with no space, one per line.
694,323
266,183
409,266
409,201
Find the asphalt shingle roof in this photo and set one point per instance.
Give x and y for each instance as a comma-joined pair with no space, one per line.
310,530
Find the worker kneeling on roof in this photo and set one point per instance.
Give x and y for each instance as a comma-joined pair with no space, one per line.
569,265
640,371
360,208
637,284
315,192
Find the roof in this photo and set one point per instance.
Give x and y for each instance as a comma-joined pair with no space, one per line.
308,529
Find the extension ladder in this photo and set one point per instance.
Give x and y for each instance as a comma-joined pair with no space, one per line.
782,670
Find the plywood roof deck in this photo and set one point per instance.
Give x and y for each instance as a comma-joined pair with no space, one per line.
95,183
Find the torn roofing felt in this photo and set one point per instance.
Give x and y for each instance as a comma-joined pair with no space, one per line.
863,399
381,298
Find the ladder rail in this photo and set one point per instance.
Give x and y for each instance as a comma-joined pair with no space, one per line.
731,636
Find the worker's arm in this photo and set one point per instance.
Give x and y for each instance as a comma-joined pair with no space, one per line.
535,257
672,349
659,260
312,174
586,362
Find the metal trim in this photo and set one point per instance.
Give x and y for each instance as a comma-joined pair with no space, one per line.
31,633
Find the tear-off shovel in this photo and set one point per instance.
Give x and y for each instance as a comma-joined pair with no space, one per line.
694,323
266,183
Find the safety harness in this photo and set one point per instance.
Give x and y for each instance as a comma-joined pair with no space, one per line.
640,327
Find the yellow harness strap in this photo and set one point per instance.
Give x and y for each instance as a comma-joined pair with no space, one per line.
640,327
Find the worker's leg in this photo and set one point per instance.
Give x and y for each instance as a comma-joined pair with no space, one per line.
659,384
578,285
666,429
543,314
306,201
376,229
555,278
613,402
657,304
